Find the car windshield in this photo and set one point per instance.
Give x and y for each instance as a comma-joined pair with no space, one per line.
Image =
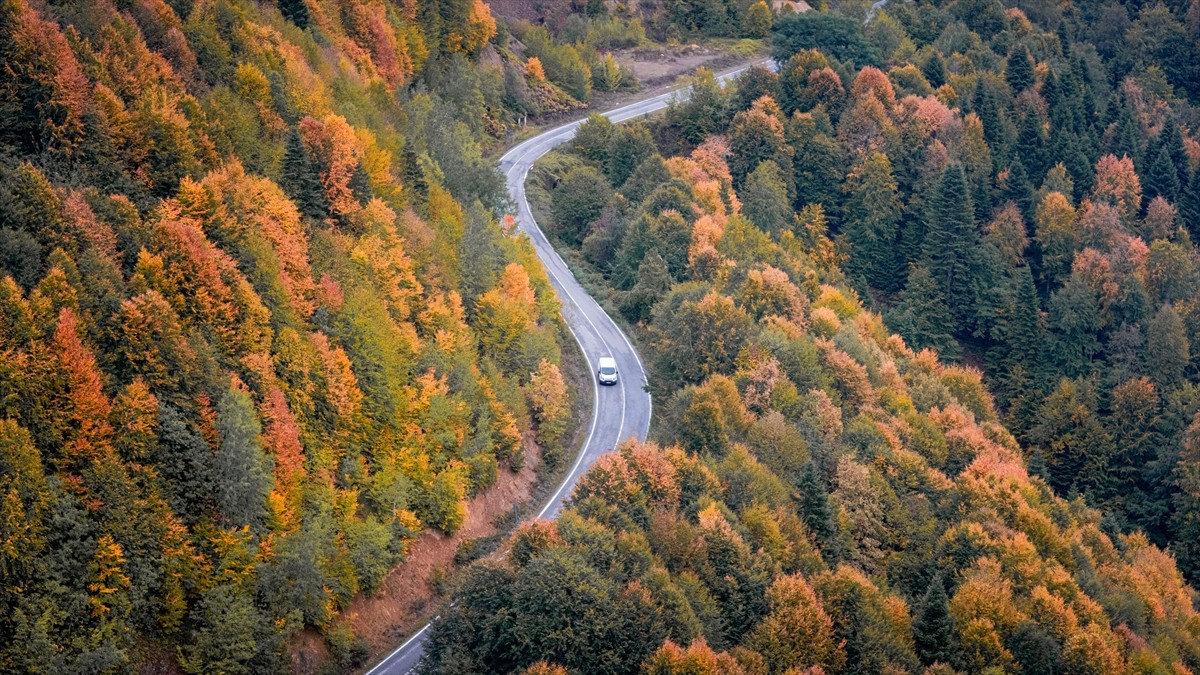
608,371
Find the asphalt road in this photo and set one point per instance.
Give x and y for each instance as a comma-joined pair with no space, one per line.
621,411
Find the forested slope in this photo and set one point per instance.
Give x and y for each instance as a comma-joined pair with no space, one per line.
260,322
810,257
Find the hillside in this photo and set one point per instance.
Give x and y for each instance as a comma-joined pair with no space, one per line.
261,324
829,268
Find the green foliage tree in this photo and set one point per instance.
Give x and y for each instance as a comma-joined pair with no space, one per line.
922,316
577,201
241,470
630,146
1167,351
1018,71
934,632
765,199
950,242
756,22
872,218
839,36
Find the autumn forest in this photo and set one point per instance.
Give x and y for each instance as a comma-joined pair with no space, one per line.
919,301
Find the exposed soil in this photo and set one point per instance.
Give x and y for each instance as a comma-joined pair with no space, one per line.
658,66
407,596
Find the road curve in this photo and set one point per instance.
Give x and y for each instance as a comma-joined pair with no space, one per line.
620,412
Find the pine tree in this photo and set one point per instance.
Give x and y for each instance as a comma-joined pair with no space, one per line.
1018,70
933,629
299,179
872,218
950,241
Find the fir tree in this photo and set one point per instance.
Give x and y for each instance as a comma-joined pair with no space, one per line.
1189,206
922,316
765,199
1018,70
814,508
360,184
935,70
872,213
295,11
1160,178
1125,139
1031,145
950,241
300,181
241,470
933,630
1025,334
1166,349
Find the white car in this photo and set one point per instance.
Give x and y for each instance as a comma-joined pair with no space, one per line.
608,370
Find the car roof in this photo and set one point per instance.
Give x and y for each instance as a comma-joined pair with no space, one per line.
608,361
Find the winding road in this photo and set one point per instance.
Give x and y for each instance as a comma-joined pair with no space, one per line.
620,412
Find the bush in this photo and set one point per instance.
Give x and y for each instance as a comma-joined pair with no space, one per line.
349,651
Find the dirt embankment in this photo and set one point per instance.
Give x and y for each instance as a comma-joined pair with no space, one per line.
407,595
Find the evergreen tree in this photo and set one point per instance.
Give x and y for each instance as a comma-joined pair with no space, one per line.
1035,650
1075,323
1018,70
765,200
814,508
631,145
295,11
1189,206
360,184
995,122
1166,349
933,630
1018,189
935,70
653,282
1185,524
1031,146
872,218
412,174
241,470
950,241
300,180
818,168
1125,136
1170,137
1025,336
922,317
1160,178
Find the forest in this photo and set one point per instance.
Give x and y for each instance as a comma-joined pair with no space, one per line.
263,319
920,312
